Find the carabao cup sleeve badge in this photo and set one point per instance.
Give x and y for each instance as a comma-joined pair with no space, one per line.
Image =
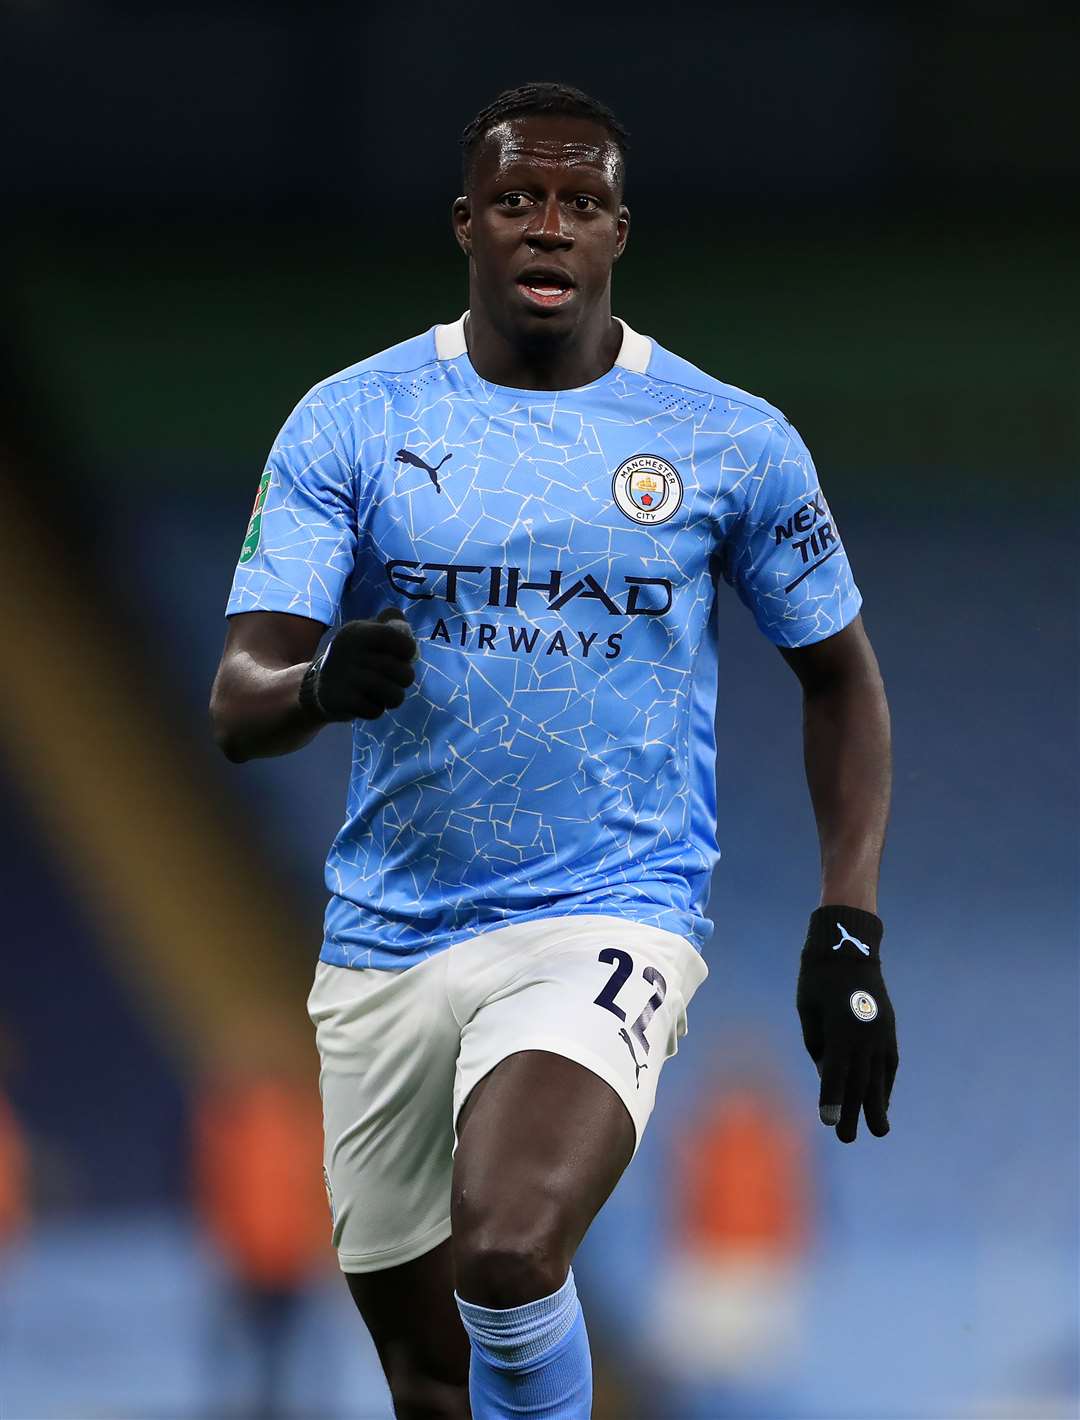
647,489
254,527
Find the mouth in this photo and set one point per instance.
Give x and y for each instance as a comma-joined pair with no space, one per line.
546,287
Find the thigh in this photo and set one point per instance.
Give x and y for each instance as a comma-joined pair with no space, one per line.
557,1078
542,1141
387,1049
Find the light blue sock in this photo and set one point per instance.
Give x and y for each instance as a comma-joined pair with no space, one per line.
532,1360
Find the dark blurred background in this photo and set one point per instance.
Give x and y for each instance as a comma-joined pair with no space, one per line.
866,213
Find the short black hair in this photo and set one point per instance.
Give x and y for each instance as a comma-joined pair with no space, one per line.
533,98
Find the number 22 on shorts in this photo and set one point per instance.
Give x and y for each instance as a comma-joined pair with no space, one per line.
623,963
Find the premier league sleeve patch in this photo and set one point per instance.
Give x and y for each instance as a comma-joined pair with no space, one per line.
647,489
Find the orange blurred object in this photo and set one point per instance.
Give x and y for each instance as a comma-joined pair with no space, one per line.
259,1190
742,1178
14,1176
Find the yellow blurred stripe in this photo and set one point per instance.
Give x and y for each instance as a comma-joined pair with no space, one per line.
193,920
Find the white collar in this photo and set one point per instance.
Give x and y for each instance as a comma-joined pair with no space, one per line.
634,352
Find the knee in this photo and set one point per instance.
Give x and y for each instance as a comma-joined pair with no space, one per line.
507,1268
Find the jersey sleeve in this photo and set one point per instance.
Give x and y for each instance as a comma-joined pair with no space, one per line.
300,545
783,554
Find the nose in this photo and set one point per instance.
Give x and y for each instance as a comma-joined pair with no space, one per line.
548,231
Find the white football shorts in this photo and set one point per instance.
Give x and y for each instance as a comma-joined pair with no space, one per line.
401,1050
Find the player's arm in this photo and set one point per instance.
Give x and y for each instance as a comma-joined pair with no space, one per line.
255,708
848,1022
274,690
848,758
786,560
272,693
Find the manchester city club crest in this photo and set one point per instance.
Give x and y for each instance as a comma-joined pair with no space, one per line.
647,489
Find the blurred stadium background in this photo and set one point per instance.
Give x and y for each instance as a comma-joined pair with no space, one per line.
867,213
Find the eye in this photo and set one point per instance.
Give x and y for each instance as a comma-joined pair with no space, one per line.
514,201
584,203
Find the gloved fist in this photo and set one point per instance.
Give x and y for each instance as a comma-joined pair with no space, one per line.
847,1019
365,669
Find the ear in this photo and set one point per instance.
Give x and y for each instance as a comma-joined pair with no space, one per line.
461,222
622,230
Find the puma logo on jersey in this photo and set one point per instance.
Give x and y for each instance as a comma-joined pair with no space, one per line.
630,1046
404,456
845,936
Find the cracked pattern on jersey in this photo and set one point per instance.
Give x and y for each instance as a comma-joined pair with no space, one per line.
556,754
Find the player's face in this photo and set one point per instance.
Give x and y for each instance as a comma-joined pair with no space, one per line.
543,224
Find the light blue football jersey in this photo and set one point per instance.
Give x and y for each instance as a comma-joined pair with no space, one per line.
557,555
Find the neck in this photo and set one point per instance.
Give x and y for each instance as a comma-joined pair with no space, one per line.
563,362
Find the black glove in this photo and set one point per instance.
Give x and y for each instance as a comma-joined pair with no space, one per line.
847,1019
365,670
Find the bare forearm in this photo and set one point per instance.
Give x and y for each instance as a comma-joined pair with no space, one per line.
255,711
849,771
